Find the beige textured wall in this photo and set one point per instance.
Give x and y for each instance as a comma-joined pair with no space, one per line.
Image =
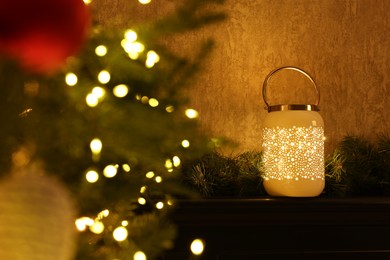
343,44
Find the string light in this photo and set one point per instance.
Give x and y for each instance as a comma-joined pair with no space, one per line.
130,35
169,109
185,143
126,167
96,146
110,171
159,205
80,225
145,100
153,102
149,175
91,100
139,255
87,2
120,234
71,79
92,176
197,246
103,214
83,222
142,201
144,2
133,49
98,92
125,223
151,59
104,77
101,50
143,189
120,91
168,164
191,113
97,227
158,179
176,161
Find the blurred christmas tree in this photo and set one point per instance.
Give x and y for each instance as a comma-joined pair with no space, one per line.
110,122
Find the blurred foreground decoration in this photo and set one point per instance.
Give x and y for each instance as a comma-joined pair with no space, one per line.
41,34
112,124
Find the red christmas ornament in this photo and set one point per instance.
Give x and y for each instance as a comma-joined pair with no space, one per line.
41,34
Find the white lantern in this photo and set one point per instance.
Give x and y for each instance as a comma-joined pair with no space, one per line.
293,146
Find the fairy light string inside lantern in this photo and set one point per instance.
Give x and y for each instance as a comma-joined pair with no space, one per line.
293,147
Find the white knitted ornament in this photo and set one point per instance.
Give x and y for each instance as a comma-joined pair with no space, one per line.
36,218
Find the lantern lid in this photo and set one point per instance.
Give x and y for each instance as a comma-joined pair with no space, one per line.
292,107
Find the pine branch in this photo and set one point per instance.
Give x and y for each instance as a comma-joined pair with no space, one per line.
215,175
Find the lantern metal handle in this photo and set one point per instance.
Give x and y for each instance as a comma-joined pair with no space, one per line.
269,76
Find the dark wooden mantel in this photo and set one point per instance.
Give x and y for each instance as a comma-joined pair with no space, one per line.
285,228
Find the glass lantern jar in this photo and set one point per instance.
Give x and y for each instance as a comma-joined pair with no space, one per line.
293,146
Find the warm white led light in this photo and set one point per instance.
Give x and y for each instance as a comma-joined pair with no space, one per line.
133,49
130,35
169,109
197,246
139,255
104,76
151,59
145,100
110,171
191,113
168,164
142,201
97,227
149,175
185,143
84,222
126,167
159,205
98,92
176,161
120,91
91,100
92,176
153,102
80,225
104,213
71,79
144,2
101,50
120,234
96,146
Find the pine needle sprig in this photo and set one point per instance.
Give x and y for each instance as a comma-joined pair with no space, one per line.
358,168
216,175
